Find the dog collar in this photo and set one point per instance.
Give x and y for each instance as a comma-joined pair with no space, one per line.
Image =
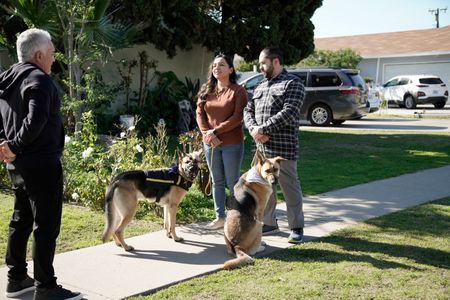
254,176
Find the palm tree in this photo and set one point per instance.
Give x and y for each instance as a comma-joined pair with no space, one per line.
83,29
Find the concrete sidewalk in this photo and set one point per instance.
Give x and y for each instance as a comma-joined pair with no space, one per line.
108,272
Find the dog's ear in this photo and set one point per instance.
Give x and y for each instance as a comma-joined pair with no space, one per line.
279,158
200,151
260,157
180,154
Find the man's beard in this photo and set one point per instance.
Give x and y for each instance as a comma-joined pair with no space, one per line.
269,73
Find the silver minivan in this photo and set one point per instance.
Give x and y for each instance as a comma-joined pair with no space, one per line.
333,95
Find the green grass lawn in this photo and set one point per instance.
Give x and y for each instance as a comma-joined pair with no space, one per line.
393,257
403,255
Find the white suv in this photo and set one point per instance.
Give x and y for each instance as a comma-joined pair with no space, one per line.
410,90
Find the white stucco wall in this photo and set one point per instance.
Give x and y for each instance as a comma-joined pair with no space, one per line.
192,64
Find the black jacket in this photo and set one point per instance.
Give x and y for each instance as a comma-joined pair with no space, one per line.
30,118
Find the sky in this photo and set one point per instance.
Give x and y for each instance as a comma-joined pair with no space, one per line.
353,17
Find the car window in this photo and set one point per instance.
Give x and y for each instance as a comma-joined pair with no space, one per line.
393,82
357,80
323,79
252,83
430,80
403,81
302,76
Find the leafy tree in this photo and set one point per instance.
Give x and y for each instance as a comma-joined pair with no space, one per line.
245,27
241,27
342,58
168,24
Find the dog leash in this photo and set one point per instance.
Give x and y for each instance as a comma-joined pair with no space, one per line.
208,185
260,148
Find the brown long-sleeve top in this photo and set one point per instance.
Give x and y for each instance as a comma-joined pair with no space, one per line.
224,113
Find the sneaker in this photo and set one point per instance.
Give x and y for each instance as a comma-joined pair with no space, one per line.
56,293
269,229
296,236
216,224
17,288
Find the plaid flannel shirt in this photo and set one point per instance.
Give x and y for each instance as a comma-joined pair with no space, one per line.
275,106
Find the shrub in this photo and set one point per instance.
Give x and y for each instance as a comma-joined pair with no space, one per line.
90,165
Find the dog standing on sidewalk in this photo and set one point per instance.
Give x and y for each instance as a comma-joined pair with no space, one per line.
165,186
243,225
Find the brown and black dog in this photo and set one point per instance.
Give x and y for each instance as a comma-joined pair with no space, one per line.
243,225
165,186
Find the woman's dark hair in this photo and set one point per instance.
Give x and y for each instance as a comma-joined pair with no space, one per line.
211,82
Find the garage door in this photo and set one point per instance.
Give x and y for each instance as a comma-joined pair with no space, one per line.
441,69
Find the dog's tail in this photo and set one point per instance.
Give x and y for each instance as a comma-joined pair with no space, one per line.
109,213
241,259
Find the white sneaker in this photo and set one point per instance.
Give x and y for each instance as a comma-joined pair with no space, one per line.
216,224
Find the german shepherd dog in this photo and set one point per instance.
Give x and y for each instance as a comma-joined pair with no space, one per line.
165,186
243,225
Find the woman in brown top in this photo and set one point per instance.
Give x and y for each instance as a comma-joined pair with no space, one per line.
220,106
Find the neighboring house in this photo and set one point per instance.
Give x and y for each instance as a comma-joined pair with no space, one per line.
386,55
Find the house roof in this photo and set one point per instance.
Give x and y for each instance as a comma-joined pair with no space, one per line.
414,42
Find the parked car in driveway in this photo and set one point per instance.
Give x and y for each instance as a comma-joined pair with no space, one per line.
410,90
333,95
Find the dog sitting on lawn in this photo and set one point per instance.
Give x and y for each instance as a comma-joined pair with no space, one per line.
165,186
243,225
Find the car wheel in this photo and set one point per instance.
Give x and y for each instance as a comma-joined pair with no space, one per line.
337,122
439,105
409,102
320,115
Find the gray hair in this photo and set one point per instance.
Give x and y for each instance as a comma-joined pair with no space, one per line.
31,41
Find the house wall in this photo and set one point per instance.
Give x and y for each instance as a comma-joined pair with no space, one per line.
383,68
193,64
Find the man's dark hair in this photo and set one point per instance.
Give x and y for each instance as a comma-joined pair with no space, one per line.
272,53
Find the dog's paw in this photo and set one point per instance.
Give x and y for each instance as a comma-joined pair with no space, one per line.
178,239
128,248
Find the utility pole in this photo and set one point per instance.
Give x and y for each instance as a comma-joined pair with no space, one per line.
435,12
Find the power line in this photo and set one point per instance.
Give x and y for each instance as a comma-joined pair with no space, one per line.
435,12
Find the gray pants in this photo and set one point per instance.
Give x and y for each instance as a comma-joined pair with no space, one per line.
292,191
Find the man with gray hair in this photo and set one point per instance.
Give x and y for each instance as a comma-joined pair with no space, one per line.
32,141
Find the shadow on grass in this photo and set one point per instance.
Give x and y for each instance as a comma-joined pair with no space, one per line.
428,221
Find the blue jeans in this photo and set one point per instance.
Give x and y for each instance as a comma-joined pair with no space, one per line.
224,163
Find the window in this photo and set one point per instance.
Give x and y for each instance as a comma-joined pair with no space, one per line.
403,81
252,83
324,79
357,80
393,82
302,76
430,80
